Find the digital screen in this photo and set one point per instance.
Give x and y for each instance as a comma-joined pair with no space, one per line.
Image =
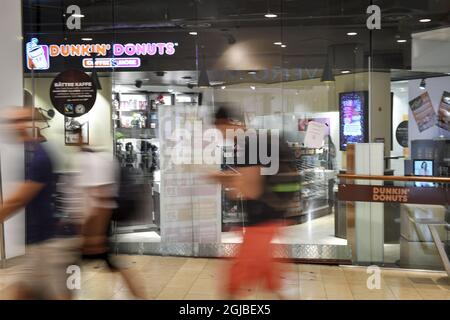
423,168
353,118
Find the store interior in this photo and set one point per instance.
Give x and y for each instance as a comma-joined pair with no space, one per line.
277,78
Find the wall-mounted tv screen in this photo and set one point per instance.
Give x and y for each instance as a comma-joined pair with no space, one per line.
353,118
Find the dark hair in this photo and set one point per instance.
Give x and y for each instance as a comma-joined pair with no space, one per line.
227,113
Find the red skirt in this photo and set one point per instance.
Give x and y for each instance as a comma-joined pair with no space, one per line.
255,260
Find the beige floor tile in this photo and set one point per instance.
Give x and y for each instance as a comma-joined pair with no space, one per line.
406,293
172,293
433,294
310,275
204,286
197,296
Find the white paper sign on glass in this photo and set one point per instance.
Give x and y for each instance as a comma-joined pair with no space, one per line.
315,134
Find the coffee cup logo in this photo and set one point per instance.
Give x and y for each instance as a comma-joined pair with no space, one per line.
37,56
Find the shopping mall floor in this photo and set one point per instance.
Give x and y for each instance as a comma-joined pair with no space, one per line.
173,278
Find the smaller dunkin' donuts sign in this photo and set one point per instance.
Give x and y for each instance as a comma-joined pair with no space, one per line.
73,93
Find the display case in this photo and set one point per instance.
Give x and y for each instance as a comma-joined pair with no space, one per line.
317,180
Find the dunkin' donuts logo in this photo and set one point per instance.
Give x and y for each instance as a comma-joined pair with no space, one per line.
385,194
108,55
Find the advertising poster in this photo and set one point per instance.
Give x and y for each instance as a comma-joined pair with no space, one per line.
423,111
444,112
353,118
303,123
73,93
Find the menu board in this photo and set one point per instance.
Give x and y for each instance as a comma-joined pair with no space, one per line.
444,112
353,118
423,111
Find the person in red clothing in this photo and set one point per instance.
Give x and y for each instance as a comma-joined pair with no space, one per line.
264,204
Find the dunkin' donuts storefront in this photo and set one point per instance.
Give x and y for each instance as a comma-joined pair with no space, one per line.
364,111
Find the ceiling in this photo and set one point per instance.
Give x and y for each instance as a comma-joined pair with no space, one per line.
235,35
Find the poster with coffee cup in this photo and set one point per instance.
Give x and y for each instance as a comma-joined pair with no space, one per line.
444,112
423,111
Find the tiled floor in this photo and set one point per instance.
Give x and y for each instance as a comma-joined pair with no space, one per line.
201,279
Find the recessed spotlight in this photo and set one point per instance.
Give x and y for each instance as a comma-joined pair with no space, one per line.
345,71
252,72
193,33
270,15
278,43
352,34
223,87
283,46
86,39
402,40
78,15
425,20
253,87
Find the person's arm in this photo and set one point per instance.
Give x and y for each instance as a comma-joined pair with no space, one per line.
20,198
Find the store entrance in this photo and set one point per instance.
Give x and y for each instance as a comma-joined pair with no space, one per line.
186,214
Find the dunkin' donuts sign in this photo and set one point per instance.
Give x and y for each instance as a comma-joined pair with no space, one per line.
417,195
390,194
107,55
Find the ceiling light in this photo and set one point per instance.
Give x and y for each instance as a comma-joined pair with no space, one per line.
193,33
425,20
278,43
401,40
270,15
223,87
86,39
345,71
352,33
253,87
252,72
283,46
78,15
170,90
423,84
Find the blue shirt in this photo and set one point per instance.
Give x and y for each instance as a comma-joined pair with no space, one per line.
40,218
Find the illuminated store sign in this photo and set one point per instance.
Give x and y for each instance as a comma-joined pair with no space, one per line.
108,56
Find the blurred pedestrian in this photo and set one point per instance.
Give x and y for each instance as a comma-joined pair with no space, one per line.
265,200
35,195
99,181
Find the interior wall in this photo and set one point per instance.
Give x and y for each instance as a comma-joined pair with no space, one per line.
435,87
399,114
100,124
306,98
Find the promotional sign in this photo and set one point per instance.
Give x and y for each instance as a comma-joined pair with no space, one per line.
401,134
444,112
315,135
423,111
417,195
73,93
39,56
353,118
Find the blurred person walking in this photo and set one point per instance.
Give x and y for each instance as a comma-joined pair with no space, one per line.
265,199
36,273
99,181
